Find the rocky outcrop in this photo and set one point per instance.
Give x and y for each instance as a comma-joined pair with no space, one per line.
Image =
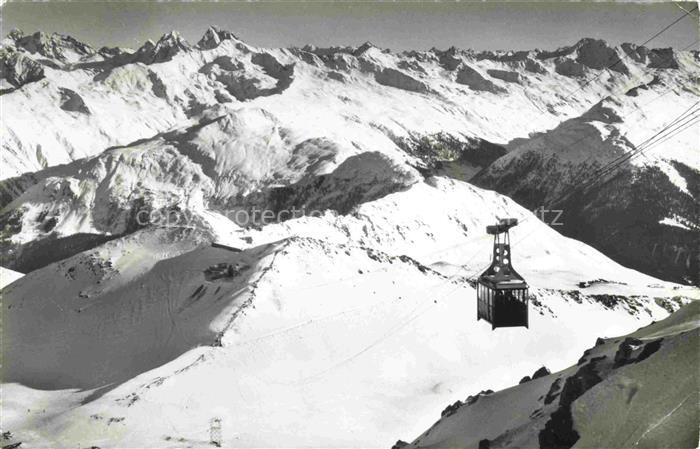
341,61
635,52
559,431
533,66
569,67
167,46
54,46
112,52
505,75
400,80
362,49
541,372
657,58
449,59
337,76
597,54
475,81
662,58
157,85
213,37
245,84
19,69
72,102
284,74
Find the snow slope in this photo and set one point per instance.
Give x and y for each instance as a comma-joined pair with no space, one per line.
8,276
638,390
137,327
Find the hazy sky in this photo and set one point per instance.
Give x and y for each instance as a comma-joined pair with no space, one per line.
396,25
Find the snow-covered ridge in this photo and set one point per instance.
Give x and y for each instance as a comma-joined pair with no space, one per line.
126,95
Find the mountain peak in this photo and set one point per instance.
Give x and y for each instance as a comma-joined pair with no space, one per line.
363,48
213,37
586,41
173,37
168,45
54,46
15,34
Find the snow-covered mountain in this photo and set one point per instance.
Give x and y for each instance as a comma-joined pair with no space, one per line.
368,314
637,390
153,288
651,199
303,111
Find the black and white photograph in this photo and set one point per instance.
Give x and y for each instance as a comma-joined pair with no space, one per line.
349,224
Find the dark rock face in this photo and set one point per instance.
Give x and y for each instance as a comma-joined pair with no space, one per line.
635,52
596,54
554,391
662,58
157,85
505,75
272,67
18,69
472,399
569,67
644,197
399,444
524,379
167,46
111,52
363,48
558,432
633,350
543,371
400,80
473,79
625,350
72,102
535,67
448,59
451,409
628,206
484,444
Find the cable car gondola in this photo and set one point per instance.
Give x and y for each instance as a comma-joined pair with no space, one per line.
502,294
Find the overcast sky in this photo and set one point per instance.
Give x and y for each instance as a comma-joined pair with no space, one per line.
396,25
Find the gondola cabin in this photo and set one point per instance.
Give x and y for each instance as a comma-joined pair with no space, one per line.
502,294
